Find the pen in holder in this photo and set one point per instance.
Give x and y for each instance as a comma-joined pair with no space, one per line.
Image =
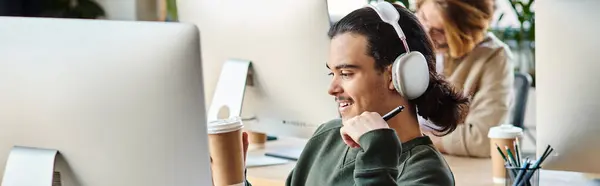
522,173
522,176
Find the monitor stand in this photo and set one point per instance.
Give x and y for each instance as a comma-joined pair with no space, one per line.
31,166
229,94
227,101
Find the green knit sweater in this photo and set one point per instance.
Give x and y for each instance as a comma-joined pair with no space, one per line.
382,160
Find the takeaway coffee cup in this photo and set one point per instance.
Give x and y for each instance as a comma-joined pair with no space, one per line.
226,151
503,136
256,140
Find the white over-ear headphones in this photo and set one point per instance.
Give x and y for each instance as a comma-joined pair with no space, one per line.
410,74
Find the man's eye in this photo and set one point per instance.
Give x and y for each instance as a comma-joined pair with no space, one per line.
342,74
345,75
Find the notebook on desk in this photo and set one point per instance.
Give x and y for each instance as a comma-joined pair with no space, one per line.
258,160
288,153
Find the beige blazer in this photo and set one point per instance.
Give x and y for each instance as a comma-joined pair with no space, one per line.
486,74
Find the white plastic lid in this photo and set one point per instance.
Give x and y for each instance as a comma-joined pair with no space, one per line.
225,125
505,131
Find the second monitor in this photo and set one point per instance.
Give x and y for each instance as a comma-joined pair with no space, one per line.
287,45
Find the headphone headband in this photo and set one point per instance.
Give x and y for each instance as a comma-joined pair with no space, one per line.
410,72
388,13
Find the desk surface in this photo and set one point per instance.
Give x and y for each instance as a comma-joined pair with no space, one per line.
467,171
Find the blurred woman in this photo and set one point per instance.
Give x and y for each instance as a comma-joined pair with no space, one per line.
474,61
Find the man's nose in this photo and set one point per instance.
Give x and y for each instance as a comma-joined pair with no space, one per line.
334,88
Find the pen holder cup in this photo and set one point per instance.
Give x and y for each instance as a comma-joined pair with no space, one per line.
517,176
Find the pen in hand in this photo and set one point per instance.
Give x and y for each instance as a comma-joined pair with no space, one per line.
351,133
393,113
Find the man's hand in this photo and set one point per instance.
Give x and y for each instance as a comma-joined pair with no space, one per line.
355,127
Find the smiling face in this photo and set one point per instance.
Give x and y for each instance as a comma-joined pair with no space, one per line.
356,83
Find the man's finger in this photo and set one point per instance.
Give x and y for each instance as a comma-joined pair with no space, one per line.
354,144
346,122
347,139
350,142
344,135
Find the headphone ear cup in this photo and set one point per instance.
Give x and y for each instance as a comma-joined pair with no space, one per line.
410,75
396,75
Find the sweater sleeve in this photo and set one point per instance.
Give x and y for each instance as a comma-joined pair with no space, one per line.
489,107
377,162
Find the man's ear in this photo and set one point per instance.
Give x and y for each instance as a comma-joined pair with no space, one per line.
388,75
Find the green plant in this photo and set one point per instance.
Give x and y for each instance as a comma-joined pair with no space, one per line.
521,37
83,9
526,16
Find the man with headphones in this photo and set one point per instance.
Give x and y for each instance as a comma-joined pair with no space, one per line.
380,59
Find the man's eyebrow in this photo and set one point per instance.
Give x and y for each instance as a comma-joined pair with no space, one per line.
340,66
343,66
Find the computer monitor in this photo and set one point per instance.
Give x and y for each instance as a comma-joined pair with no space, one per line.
287,45
121,102
567,88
